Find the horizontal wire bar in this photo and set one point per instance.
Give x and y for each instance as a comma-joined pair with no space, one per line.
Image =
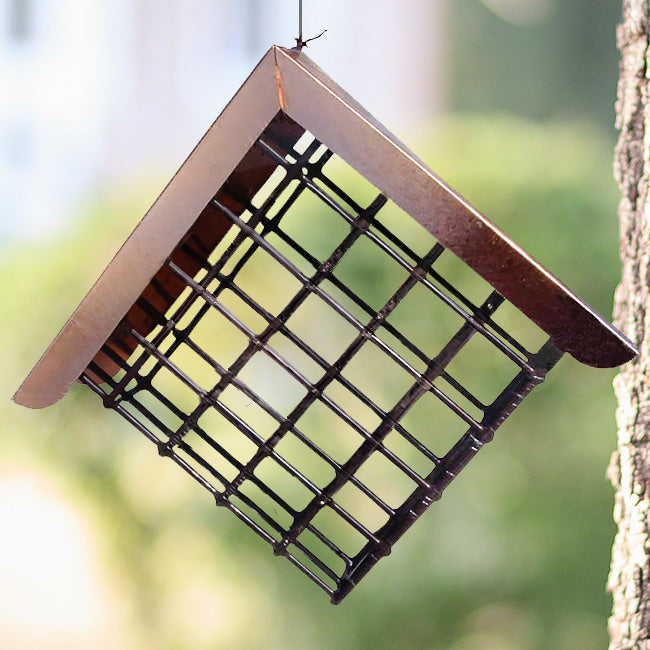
330,544
402,262
248,501
307,384
310,574
343,312
194,455
317,561
314,356
239,384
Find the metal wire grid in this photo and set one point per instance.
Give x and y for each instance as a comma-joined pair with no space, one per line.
295,507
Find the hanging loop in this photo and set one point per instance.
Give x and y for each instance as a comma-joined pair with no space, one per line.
300,42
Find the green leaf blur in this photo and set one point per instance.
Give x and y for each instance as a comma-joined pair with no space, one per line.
514,556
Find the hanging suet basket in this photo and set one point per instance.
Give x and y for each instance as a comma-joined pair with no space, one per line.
232,378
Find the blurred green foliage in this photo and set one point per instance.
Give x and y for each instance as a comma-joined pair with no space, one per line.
562,65
514,556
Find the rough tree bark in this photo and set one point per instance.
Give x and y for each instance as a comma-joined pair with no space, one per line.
629,580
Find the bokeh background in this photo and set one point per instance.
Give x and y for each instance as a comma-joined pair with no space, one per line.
105,545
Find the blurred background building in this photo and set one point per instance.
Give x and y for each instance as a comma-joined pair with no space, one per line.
93,90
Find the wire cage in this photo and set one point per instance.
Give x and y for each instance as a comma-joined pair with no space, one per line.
306,350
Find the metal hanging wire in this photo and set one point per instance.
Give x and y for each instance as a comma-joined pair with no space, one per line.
300,42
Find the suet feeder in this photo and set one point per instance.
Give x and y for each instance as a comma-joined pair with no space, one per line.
184,292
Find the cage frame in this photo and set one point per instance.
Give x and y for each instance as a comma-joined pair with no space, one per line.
137,304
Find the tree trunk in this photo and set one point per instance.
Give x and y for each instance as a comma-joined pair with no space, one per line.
629,580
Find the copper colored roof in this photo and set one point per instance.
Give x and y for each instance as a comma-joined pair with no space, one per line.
290,94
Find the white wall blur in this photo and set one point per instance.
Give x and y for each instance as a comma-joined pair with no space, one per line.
94,90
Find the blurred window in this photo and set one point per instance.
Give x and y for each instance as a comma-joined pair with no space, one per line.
252,26
20,19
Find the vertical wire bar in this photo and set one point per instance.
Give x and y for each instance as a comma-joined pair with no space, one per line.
293,172
257,342
363,222
452,464
434,369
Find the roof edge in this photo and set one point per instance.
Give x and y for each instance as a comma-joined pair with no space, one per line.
383,160
192,187
287,80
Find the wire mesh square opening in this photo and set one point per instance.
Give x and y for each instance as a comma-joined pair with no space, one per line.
312,359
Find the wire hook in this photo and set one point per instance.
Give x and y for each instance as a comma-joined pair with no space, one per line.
300,43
